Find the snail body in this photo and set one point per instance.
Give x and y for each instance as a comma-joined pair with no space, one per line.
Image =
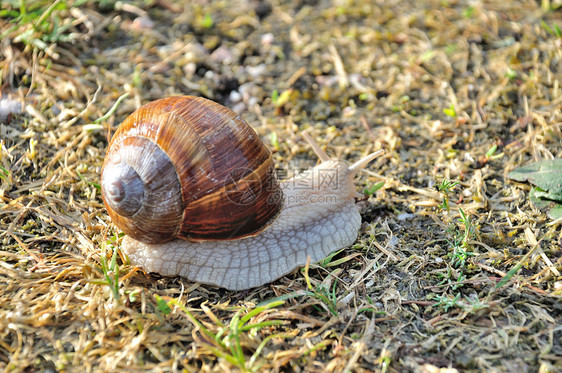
257,229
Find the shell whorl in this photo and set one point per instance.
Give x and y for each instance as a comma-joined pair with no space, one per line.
124,189
142,192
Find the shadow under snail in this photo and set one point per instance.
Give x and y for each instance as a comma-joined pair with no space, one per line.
193,187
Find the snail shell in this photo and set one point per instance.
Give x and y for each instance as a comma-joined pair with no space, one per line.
187,167
272,228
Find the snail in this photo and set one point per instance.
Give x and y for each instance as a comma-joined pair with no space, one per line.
193,187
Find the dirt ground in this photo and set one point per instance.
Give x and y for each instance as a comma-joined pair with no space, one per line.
453,270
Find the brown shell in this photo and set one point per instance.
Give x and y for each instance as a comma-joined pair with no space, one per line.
226,173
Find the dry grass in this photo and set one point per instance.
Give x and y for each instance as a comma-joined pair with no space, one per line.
473,284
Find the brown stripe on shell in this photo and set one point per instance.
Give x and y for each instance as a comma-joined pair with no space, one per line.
242,207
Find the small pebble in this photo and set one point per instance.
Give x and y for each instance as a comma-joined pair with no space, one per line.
405,216
9,106
143,23
267,39
234,97
222,55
